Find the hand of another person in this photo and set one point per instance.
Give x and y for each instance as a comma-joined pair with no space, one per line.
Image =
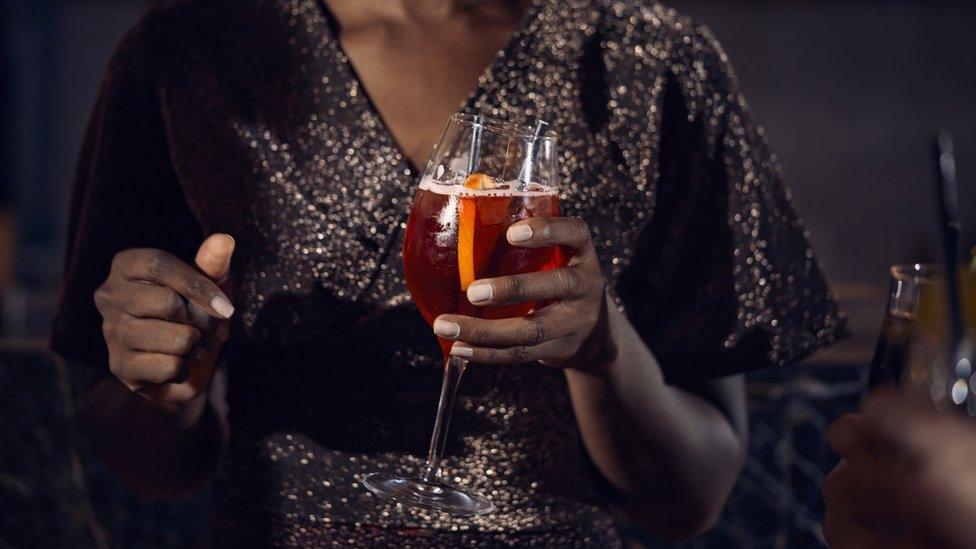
164,321
907,477
570,331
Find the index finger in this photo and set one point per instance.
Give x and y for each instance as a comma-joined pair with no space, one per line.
163,268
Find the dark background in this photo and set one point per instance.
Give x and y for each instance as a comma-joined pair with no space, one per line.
849,93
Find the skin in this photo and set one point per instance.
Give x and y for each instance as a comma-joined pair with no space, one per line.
905,479
673,456
153,423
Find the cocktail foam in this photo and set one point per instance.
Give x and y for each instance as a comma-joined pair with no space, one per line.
507,188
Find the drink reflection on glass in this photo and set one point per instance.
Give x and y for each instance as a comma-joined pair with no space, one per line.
483,176
913,346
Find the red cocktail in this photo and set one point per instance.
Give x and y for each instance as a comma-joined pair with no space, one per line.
483,176
456,234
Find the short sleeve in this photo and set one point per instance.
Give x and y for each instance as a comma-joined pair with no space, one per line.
724,279
125,195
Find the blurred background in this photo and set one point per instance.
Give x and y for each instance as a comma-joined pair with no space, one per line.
850,94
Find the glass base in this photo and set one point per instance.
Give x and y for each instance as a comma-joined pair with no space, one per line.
436,495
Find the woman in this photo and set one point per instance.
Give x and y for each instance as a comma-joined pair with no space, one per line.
905,478
298,127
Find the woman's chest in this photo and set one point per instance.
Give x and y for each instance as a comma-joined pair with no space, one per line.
417,71
320,228
319,218
305,174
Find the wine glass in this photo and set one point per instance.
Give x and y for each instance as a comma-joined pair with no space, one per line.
483,175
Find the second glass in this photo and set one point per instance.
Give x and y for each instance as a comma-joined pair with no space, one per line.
483,176
913,346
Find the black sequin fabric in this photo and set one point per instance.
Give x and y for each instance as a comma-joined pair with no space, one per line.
247,118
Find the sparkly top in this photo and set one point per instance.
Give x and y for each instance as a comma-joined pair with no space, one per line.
246,118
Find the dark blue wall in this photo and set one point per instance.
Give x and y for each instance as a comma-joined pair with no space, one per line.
55,53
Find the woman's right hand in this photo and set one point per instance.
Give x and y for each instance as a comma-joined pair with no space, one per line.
165,321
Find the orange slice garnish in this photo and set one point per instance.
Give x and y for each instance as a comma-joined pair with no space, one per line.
491,209
480,182
467,219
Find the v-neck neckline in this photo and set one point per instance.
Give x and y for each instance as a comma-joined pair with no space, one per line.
525,27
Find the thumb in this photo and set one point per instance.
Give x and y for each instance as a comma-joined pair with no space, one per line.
213,257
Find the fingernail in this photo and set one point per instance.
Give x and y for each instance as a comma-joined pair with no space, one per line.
519,233
222,306
446,328
462,350
480,292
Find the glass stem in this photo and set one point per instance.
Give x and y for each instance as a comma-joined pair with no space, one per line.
453,369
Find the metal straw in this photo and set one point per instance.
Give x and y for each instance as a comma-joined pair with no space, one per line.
474,151
528,162
950,229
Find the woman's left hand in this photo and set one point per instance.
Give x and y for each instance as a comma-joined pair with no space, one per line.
570,331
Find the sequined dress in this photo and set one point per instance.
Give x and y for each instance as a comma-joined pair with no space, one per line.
246,118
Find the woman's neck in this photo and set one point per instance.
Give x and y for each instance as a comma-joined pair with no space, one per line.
428,11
